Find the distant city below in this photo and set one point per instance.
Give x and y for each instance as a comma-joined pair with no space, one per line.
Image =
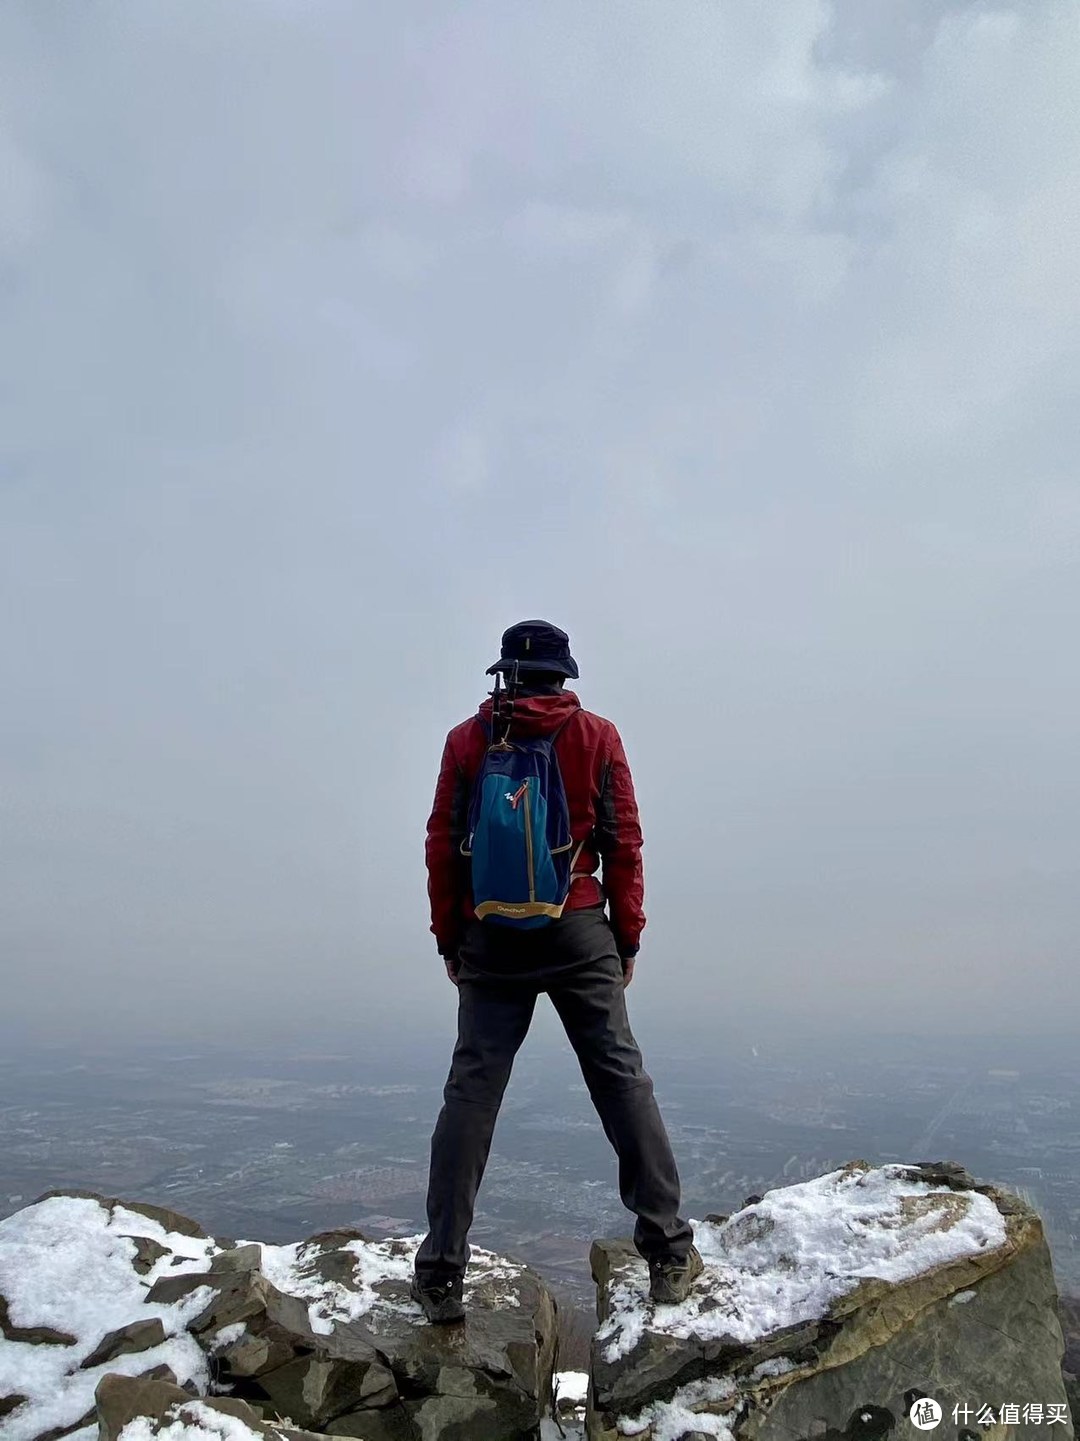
277,1142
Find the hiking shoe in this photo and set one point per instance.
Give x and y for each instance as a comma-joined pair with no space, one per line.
670,1279
441,1302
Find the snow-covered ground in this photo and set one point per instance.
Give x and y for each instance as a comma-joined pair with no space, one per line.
289,1268
194,1421
572,1386
329,1302
671,1420
66,1263
786,1258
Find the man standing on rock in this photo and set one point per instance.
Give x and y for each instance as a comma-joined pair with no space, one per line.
531,756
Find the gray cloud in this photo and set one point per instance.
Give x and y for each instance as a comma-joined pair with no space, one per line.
743,344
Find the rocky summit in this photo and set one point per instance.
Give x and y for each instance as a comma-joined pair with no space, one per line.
827,1309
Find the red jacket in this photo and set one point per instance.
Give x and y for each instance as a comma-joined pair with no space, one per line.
603,814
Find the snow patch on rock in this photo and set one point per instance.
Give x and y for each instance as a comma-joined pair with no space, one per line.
671,1420
786,1258
572,1386
66,1263
292,1270
194,1422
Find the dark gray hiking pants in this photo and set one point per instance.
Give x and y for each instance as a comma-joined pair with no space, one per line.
502,972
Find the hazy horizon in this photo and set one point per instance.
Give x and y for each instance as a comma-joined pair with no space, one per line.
740,343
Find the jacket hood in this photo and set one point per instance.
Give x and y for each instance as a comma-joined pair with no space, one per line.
536,715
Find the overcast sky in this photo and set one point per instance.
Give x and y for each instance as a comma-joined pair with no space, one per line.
739,340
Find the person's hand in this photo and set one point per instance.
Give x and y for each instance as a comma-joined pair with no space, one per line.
453,965
627,970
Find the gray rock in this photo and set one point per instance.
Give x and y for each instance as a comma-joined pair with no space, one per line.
122,1399
171,1220
56,1432
235,1296
238,1258
167,1290
503,1352
943,1173
316,1389
443,1417
136,1336
387,1374
256,1351
11,1402
336,1238
1002,1344
391,1423
464,1418
36,1335
148,1253
160,1373
1072,1393
980,1329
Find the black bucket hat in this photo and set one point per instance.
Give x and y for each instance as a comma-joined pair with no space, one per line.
536,645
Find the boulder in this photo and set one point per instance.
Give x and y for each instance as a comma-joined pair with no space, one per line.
231,1297
361,1361
828,1308
121,1400
238,1258
136,1336
243,1353
167,1219
316,1389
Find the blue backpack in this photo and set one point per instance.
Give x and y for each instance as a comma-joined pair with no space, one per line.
518,836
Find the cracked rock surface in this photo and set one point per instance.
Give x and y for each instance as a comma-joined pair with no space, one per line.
827,1308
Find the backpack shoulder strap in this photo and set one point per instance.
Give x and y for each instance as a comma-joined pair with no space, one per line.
562,725
574,875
